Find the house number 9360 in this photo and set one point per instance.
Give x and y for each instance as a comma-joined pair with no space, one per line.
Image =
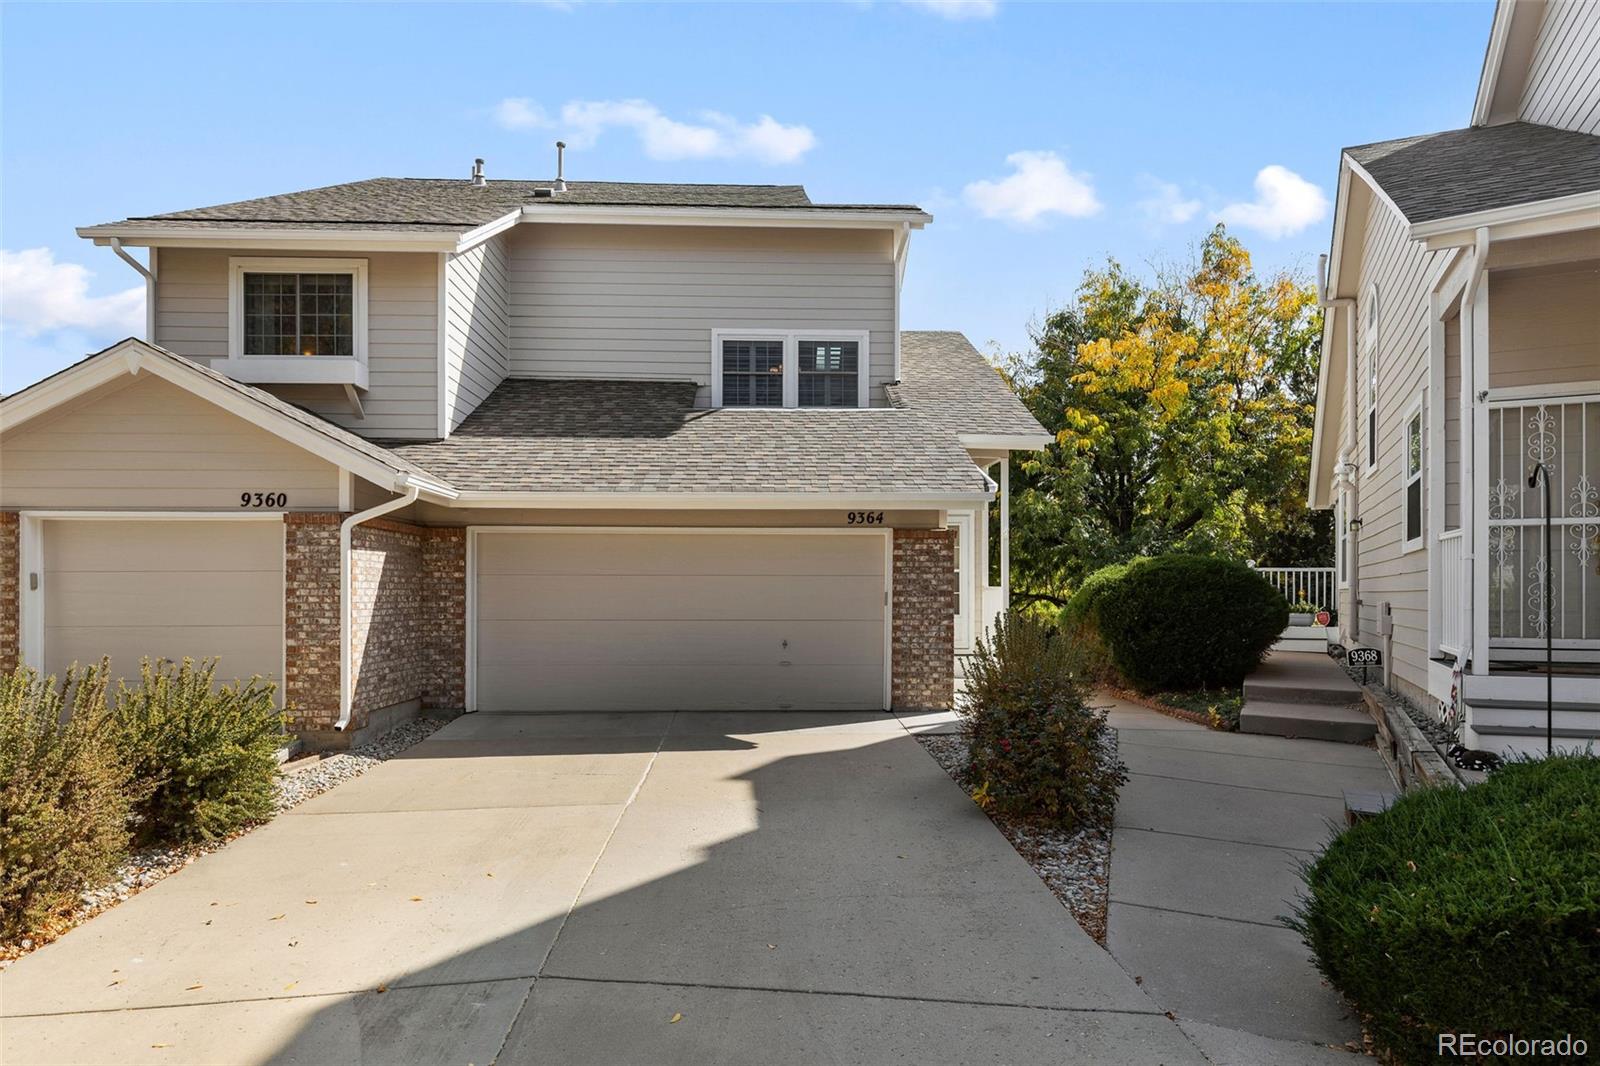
263,499
864,518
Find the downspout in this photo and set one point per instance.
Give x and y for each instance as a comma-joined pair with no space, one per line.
346,528
149,286
1345,465
1470,387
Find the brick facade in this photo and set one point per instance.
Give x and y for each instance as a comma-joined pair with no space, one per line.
444,604
10,601
311,618
923,626
387,645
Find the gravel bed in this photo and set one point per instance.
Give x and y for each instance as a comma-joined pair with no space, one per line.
1075,866
297,782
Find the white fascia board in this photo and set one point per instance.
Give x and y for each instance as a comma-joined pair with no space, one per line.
133,356
1020,442
1559,214
1341,209
725,216
301,240
1362,173
1493,55
475,237
723,501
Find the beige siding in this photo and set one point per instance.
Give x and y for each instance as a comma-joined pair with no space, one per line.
402,325
1563,86
679,621
144,444
477,328
1401,271
1544,325
164,589
641,301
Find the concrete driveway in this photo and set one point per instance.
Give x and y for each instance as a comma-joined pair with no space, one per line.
559,888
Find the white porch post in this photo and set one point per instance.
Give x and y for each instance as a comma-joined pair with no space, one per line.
1005,532
1476,475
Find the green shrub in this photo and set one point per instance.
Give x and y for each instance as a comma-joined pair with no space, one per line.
1039,753
1189,621
1467,911
63,794
206,756
1080,624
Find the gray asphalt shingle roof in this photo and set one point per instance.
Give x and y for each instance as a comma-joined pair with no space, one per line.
945,378
457,204
605,437
1459,172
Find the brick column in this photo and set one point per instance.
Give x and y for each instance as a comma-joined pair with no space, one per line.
444,611
10,600
387,645
924,631
311,618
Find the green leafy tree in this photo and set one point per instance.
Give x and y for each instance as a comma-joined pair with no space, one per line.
1182,409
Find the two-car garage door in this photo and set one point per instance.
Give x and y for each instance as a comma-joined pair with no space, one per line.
678,620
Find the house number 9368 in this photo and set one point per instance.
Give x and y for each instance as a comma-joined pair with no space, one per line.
864,518
263,499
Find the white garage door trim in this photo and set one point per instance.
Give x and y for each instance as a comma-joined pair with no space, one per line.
30,561
474,532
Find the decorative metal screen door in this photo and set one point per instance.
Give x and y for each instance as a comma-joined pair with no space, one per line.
1563,433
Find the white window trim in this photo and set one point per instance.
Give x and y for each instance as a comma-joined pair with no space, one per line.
239,266
1372,318
1417,411
791,362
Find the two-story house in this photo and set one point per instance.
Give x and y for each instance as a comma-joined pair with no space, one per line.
1460,359
516,445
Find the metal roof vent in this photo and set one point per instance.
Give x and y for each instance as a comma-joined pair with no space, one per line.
542,193
477,173
561,180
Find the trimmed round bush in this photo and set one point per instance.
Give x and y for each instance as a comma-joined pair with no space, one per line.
63,794
1189,621
1039,753
1467,911
1080,624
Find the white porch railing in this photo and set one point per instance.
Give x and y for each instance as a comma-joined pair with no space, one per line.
1563,433
1308,584
1450,621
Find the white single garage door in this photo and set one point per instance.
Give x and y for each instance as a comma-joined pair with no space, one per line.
168,588
669,620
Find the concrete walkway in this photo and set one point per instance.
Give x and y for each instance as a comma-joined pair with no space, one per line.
1210,830
694,888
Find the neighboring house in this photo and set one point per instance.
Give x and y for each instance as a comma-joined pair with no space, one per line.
1461,347
514,445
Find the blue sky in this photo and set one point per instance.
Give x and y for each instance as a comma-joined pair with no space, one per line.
1042,137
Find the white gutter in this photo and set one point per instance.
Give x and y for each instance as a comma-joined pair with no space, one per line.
346,687
1345,469
149,285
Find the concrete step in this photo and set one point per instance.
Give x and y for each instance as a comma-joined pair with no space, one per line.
1348,724
1583,718
1301,677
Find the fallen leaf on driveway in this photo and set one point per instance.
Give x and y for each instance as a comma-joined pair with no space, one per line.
416,899
676,1018
160,1045
275,917
192,988
290,985
381,989
311,901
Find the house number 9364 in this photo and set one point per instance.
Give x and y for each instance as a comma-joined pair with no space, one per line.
263,499
864,518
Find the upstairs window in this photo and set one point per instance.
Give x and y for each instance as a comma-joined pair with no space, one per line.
1413,498
752,373
299,314
1369,348
788,368
828,373
296,310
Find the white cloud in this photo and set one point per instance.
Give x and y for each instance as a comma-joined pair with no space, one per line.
1285,203
38,294
713,136
1165,204
957,10
1040,184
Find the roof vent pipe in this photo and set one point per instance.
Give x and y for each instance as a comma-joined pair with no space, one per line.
561,179
477,173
